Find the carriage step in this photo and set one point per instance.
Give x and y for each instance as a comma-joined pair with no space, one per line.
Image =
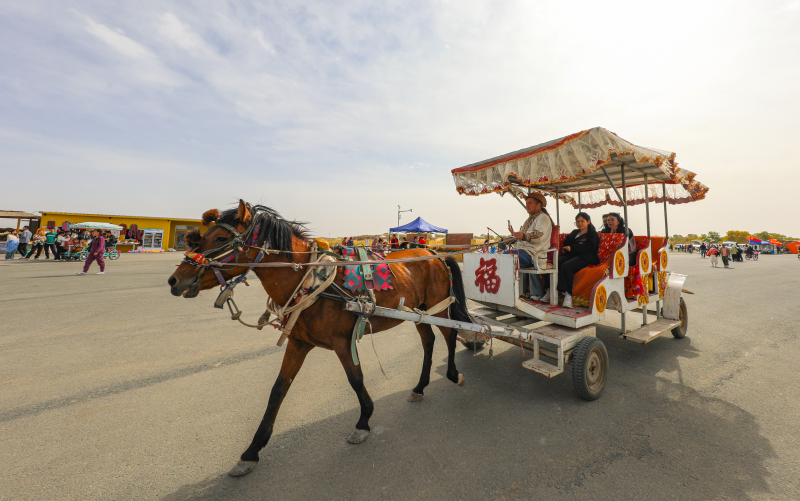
543,368
647,333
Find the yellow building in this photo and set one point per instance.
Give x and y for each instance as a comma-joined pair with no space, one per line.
175,230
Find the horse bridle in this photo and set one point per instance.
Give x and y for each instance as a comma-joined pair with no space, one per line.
233,248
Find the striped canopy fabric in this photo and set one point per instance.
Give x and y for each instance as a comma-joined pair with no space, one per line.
589,163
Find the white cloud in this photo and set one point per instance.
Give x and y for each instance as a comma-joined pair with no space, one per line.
172,28
117,40
259,35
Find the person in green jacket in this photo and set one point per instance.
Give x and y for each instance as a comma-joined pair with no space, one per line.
50,245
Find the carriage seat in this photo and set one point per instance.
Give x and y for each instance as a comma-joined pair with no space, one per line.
657,244
587,278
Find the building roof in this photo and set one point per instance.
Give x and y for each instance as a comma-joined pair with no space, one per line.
118,215
14,214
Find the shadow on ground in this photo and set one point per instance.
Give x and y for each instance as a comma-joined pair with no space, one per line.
511,434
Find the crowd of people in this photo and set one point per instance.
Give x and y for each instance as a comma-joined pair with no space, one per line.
383,244
728,254
59,242
52,241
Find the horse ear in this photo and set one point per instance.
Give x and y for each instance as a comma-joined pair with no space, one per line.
194,239
244,215
210,216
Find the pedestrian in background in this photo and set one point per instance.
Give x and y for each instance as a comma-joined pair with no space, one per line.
62,244
37,244
713,252
96,250
725,254
703,250
12,242
24,239
50,244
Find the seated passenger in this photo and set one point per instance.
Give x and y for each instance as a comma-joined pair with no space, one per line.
579,251
617,225
533,237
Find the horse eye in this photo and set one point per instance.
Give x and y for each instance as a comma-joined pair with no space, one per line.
221,239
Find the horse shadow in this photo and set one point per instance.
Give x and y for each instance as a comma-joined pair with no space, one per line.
512,434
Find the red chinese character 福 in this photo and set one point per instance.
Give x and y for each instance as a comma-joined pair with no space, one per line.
486,276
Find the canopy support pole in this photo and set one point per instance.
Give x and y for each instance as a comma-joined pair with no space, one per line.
518,200
624,199
610,182
625,212
666,223
580,206
647,205
558,214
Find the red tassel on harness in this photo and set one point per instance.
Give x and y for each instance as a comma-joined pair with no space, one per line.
197,258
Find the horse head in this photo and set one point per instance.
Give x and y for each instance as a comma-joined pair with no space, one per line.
191,277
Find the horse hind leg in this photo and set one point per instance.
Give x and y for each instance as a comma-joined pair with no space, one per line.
450,336
356,379
428,339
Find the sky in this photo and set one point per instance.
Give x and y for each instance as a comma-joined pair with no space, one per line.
335,113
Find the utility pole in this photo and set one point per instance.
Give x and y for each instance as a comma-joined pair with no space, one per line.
398,213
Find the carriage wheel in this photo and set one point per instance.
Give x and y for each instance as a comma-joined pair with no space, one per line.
83,256
679,332
589,368
113,254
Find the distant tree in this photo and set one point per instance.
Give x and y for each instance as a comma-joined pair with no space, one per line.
740,237
703,237
763,235
714,237
691,236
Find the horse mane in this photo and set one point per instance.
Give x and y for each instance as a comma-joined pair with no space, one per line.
273,229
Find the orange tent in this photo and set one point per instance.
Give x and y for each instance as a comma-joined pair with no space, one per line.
794,247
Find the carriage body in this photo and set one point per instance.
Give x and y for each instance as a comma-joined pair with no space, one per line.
587,170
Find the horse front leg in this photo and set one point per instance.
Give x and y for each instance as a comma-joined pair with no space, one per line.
356,379
296,352
450,336
428,340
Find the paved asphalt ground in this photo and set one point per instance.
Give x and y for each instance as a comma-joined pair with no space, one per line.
110,388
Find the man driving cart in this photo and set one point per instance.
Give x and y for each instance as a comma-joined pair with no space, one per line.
532,238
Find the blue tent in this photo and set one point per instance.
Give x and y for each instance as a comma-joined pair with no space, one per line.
418,225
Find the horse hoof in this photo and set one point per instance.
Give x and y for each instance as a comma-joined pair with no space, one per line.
414,397
242,468
461,380
358,436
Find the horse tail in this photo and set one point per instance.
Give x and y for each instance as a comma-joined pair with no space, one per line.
458,310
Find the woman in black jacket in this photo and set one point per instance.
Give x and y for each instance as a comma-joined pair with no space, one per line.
579,251
616,224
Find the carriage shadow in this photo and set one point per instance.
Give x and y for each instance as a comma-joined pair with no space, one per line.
511,434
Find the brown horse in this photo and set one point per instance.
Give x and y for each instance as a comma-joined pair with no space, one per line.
326,323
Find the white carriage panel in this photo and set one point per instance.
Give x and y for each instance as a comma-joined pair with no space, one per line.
645,261
620,264
490,278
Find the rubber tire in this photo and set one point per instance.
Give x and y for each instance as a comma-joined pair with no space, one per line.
83,256
113,255
474,345
586,347
679,332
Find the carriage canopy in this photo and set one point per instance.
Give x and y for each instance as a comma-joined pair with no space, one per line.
589,163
